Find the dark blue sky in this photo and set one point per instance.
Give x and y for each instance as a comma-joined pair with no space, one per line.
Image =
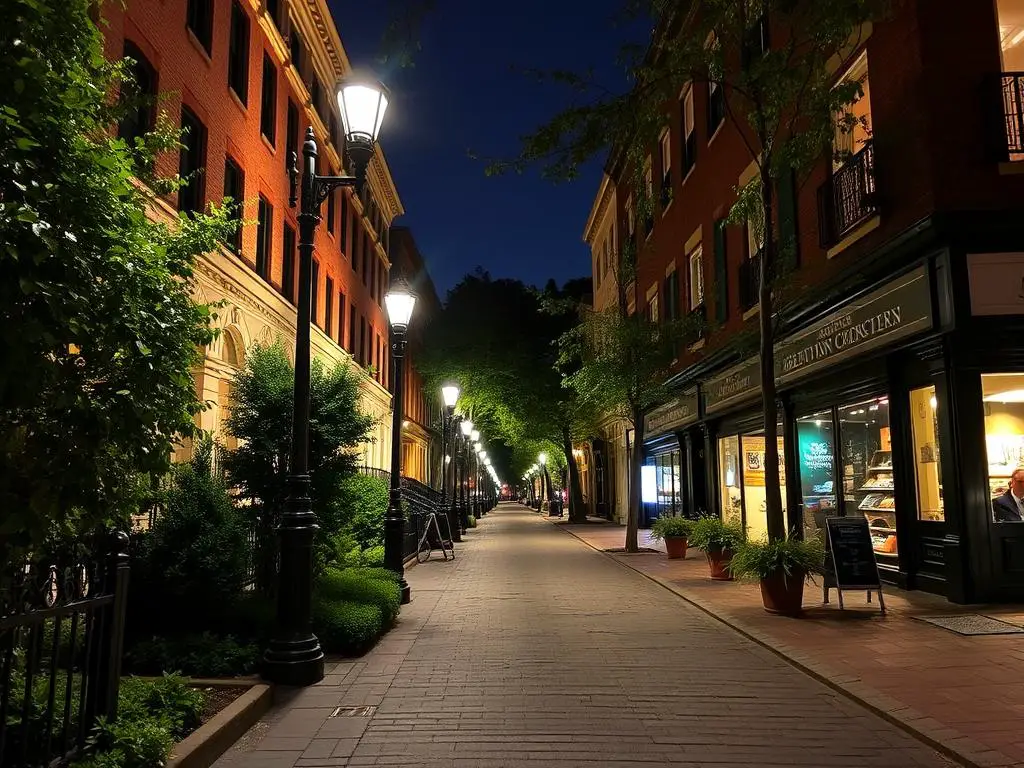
462,96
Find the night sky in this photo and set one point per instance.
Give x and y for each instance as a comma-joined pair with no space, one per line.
461,96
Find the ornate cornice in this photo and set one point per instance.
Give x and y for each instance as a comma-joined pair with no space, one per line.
599,210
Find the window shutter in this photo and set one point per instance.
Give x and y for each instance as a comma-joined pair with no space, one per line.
789,248
721,274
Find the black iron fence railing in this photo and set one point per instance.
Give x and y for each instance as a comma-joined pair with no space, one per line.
419,500
1013,111
750,282
61,641
848,198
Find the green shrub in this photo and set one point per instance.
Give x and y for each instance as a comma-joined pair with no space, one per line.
760,559
346,627
380,573
712,534
250,618
189,568
361,586
671,528
365,498
204,655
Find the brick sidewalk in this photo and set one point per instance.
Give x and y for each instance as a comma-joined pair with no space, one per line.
533,650
964,693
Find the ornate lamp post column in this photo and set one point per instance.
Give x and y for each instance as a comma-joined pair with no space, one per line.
450,395
466,428
399,302
294,656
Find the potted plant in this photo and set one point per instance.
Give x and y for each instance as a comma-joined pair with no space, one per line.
719,540
782,567
674,531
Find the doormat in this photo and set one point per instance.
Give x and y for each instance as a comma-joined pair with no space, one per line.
973,624
622,551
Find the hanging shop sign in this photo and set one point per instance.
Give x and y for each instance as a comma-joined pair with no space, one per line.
680,412
897,310
735,385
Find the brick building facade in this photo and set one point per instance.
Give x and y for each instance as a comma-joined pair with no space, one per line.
899,353
246,78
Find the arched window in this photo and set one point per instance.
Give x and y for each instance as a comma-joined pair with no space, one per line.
141,94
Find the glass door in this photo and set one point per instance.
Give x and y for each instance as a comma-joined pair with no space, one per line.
815,436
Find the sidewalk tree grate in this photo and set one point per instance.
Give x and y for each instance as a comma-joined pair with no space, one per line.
973,624
354,712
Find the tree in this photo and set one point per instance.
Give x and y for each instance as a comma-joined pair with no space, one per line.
782,99
497,339
98,330
261,418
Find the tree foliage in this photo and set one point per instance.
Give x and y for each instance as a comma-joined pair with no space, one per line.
98,330
261,419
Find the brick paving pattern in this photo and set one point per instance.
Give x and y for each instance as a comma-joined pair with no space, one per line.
965,693
533,650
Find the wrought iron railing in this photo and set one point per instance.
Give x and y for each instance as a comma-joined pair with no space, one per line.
419,500
750,282
849,197
1013,111
61,641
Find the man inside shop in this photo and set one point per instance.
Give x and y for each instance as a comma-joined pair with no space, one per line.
1009,508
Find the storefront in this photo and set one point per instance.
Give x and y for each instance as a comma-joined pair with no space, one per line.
663,482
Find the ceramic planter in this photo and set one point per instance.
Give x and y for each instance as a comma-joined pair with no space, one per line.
676,547
718,563
783,594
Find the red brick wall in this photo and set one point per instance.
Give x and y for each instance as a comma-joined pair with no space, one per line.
186,74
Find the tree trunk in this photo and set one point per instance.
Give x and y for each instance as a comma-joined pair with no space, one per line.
635,462
577,509
773,494
548,488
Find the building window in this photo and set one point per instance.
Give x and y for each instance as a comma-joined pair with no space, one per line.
652,304
315,295
341,320
867,458
329,307
268,101
373,278
1003,396
288,264
343,213
716,95
649,193
924,426
298,52
234,188
630,218
330,210
853,128
741,461
362,341
815,445
192,163
264,235
689,132
292,139
238,53
666,168
199,20
352,328
141,91
274,11
696,261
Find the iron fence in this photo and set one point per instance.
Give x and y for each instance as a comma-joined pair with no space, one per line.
61,640
848,198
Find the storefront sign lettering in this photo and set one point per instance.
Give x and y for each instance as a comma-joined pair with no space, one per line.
678,413
899,309
739,384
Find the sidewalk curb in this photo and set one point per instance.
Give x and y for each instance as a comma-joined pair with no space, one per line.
948,741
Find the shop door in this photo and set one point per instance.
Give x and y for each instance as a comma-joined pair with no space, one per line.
816,454
1003,398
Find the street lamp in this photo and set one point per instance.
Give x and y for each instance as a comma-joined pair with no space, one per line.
464,494
400,301
450,396
294,656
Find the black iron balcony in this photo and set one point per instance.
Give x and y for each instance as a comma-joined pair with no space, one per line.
1013,111
750,282
849,198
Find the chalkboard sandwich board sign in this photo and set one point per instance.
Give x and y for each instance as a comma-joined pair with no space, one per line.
852,558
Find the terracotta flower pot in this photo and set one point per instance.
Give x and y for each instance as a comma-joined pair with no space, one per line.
783,594
676,547
718,562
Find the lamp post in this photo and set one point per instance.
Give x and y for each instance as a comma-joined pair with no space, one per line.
450,395
483,489
294,656
400,302
475,456
466,428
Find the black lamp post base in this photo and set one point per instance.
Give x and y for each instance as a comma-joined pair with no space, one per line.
406,593
297,662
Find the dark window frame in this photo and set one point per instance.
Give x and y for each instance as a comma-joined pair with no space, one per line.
329,307
192,162
238,53
264,238
268,101
199,21
314,291
234,187
331,210
141,120
291,142
288,262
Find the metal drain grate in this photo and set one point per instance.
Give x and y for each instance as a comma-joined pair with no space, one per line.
973,624
353,712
